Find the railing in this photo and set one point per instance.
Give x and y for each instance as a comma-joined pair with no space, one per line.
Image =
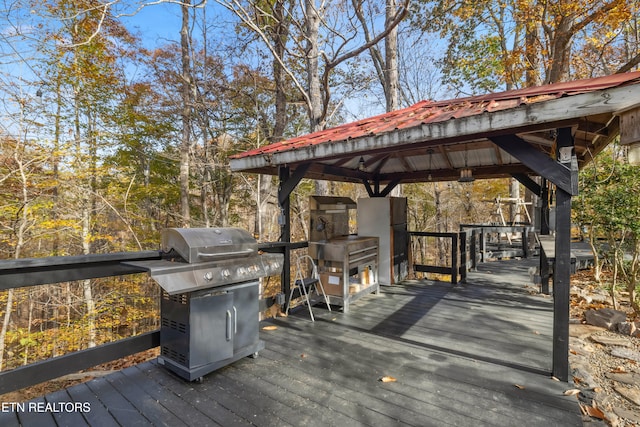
461,254
503,249
469,247
43,271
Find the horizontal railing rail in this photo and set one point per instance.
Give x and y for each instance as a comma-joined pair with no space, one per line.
42,271
48,270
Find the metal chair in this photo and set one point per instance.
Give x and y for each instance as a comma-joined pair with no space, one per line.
306,285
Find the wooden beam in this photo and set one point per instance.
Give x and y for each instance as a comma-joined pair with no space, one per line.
291,182
367,187
445,156
390,186
383,161
538,162
525,180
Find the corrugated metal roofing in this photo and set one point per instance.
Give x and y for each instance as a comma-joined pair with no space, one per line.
427,112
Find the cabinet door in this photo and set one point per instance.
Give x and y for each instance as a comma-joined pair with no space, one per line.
212,325
246,312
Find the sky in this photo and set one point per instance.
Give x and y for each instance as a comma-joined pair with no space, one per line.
156,24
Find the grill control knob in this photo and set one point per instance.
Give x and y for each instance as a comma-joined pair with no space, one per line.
226,273
208,276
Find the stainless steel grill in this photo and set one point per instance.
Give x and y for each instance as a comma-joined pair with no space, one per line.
209,307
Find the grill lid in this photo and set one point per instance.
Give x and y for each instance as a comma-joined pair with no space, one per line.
210,257
209,244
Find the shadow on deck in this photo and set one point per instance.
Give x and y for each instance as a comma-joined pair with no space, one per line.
464,355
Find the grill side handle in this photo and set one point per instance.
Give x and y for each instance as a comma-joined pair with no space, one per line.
247,251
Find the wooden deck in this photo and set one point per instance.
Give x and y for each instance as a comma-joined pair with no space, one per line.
464,355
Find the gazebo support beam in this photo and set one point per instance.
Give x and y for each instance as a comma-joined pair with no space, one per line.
562,266
528,183
389,188
288,184
543,165
284,190
375,192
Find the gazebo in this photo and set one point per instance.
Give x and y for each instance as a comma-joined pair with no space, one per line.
548,131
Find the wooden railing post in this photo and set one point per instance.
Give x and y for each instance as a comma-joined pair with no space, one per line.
454,258
474,249
463,256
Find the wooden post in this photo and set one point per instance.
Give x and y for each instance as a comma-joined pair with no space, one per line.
464,248
454,258
474,249
562,264
285,232
561,285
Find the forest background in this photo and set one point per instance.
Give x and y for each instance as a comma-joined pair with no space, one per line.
110,133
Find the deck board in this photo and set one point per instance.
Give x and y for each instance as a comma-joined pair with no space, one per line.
474,354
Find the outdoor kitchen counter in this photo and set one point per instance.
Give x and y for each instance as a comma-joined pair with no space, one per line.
348,267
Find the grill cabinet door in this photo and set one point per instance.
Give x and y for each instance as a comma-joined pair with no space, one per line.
211,327
246,312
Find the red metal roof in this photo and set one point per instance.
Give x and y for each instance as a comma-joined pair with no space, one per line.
426,112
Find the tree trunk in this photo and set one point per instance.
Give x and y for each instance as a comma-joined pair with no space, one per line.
86,284
279,39
316,121
5,325
312,26
391,58
185,144
532,75
21,231
560,52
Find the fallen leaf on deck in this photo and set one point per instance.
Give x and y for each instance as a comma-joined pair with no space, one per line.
303,355
270,328
521,387
387,379
618,370
571,392
555,379
594,412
